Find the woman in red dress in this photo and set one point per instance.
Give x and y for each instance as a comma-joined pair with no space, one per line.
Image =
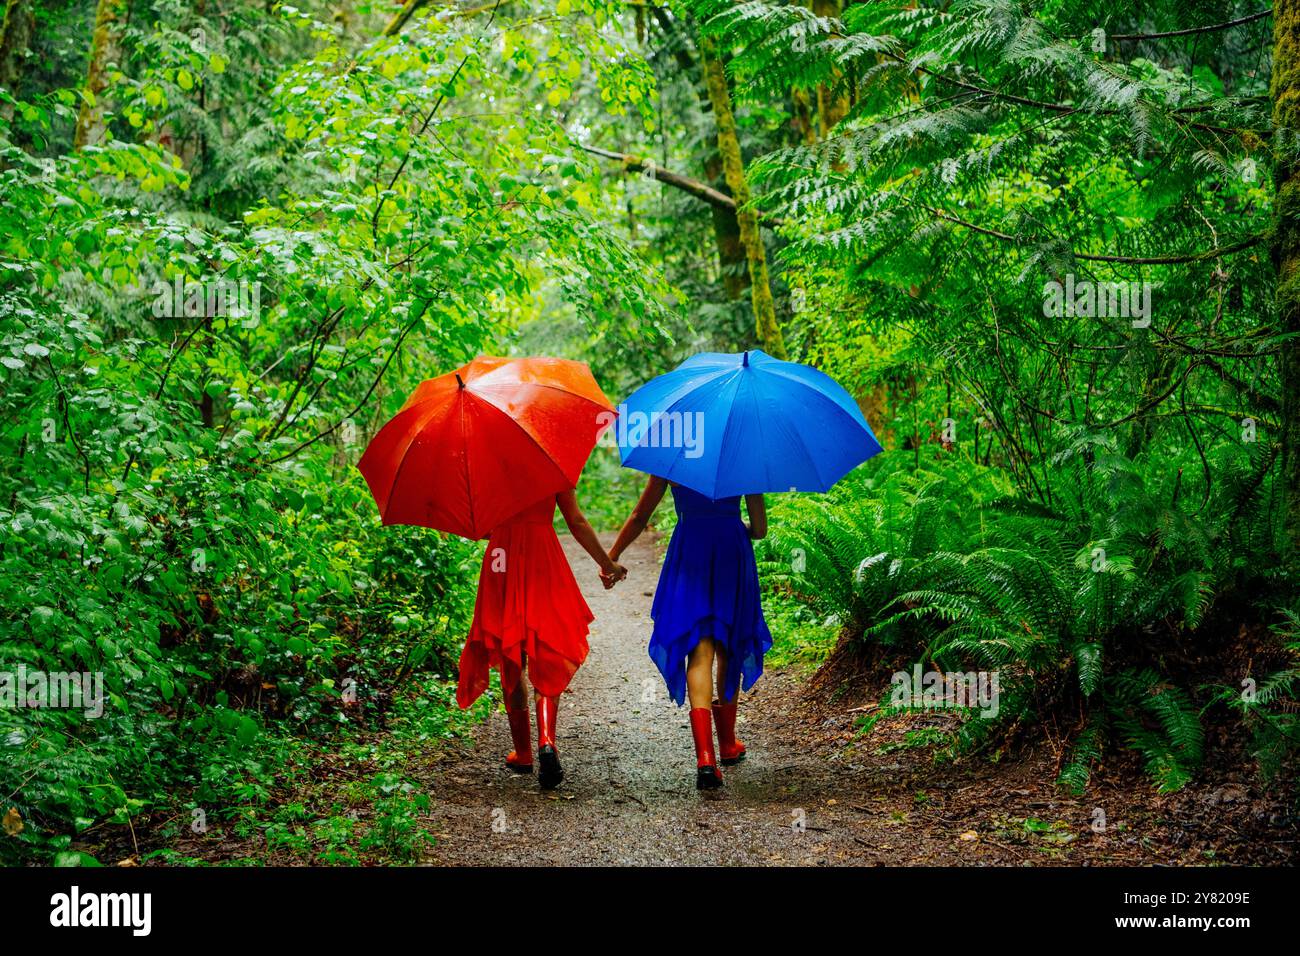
530,616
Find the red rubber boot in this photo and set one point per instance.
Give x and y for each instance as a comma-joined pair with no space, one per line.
520,760
731,750
707,774
551,773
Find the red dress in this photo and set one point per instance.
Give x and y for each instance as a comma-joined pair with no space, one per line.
528,604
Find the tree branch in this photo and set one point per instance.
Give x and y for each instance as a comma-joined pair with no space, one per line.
1227,25
1123,260
397,347
701,191
411,7
399,21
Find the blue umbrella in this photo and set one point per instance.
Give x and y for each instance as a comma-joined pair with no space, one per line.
726,424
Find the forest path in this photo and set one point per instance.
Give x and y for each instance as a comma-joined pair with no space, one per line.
812,791
629,792
815,790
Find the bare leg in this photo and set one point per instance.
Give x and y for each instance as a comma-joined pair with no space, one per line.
699,674
512,686
720,654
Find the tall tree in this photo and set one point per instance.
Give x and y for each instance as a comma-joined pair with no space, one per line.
109,16
16,28
726,228
760,289
1285,92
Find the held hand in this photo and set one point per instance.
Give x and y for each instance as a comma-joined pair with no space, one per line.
613,575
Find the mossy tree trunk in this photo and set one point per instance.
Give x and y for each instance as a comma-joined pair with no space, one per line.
17,25
832,100
726,234
400,19
760,288
1285,92
726,229
104,49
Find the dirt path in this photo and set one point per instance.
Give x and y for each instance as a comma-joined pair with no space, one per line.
817,789
629,794
811,792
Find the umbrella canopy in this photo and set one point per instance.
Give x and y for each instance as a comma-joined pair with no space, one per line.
734,424
475,446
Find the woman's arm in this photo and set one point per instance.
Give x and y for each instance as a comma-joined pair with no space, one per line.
757,509
582,532
640,516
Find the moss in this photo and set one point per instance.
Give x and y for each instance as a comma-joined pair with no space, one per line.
103,50
1284,88
760,288
15,31
1284,85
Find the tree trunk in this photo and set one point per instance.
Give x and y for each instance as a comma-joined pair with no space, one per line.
104,49
1285,92
832,101
760,289
801,117
16,29
726,233
726,228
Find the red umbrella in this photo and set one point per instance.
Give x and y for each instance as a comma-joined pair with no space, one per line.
473,447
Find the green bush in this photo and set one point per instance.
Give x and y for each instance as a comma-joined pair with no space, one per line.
1067,601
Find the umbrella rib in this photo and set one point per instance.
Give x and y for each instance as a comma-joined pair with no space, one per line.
552,387
811,459
685,390
486,379
827,399
767,471
840,408
815,391
798,442
758,422
723,443
469,498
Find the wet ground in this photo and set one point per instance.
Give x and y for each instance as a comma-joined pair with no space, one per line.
812,791
629,794
816,789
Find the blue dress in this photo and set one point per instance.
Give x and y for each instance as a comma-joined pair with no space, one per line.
708,588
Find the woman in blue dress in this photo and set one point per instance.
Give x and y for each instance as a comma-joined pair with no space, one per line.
707,613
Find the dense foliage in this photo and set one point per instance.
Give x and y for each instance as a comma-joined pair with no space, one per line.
992,160
234,235
181,507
